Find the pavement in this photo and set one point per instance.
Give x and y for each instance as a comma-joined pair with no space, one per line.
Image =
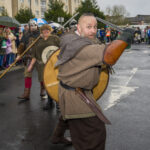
24,125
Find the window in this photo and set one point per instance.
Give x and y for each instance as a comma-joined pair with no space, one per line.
37,13
43,3
22,1
42,14
1,9
36,2
66,8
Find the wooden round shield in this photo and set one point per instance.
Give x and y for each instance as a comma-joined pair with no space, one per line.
51,82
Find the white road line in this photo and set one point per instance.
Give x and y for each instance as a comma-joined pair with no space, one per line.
146,51
133,71
118,91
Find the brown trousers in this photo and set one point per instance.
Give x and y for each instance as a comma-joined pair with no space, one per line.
87,133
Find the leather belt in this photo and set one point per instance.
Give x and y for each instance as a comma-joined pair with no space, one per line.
66,86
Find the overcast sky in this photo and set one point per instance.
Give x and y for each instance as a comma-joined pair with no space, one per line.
134,7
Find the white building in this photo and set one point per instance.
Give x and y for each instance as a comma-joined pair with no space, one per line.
38,7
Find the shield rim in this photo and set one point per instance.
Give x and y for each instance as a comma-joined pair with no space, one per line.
46,50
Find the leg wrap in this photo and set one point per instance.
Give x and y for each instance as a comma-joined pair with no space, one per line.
28,82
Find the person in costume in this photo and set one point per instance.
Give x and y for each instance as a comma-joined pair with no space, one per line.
79,65
47,39
26,40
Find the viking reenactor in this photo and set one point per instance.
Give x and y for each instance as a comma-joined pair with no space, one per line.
26,40
41,49
79,64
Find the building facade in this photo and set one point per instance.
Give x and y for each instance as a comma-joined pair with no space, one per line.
38,7
139,20
71,5
7,4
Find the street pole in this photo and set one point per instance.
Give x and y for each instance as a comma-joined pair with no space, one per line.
30,9
30,17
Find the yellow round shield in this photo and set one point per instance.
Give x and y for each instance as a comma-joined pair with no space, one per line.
51,82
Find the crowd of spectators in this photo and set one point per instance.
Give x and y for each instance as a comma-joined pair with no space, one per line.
141,35
107,35
9,41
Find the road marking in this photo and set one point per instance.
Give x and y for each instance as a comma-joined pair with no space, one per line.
118,91
146,51
133,71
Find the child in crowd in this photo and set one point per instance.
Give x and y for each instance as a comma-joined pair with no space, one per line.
2,49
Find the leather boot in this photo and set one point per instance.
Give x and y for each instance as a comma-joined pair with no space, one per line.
49,104
57,107
43,91
25,95
58,135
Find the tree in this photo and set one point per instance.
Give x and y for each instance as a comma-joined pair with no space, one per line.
90,6
24,15
3,11
117,14
56,10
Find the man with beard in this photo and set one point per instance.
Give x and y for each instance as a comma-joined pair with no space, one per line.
79,63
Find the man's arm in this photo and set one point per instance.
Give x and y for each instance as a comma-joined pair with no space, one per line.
31,65
116,48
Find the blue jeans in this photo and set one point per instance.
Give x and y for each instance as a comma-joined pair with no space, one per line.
1,60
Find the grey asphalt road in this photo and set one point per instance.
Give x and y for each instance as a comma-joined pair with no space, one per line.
126,101
25,126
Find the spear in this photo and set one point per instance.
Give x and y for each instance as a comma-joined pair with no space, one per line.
110,24
71,19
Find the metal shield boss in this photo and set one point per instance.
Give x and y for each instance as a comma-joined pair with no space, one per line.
47,52
51,82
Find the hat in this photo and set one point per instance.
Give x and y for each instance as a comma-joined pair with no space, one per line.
32,22
73,23
45,27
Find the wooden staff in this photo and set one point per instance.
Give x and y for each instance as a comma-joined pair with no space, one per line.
5,71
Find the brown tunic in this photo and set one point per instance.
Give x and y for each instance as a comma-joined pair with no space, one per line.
37,52
81,71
